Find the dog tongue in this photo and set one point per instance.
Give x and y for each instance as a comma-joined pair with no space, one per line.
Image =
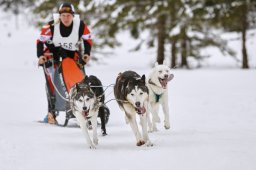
85,113
140,110
171,76
165,81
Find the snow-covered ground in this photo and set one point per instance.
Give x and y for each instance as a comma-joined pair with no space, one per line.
213,120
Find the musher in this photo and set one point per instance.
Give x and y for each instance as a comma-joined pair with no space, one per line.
60,37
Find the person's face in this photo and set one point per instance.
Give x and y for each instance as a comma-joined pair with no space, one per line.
66,19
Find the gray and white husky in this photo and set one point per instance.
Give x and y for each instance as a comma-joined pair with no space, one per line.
131,93
85,106
158,94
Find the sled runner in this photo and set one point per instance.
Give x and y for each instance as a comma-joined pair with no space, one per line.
61,75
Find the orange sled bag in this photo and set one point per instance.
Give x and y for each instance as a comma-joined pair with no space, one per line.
71,73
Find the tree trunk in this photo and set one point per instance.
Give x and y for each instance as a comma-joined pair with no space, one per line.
184,62
174,53
245,64
161,38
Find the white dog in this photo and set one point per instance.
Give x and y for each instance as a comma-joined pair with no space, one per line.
85,106
158,94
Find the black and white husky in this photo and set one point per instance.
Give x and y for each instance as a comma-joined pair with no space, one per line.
131,94
85,103
158,94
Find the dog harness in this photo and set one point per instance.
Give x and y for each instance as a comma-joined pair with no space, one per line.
157,96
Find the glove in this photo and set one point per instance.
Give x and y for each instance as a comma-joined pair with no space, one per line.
86,58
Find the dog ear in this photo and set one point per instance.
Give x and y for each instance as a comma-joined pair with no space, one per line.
143,79
85,79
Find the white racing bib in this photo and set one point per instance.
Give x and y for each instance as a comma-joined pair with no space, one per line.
70,42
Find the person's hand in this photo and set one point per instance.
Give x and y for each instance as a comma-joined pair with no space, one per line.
86,58
41,60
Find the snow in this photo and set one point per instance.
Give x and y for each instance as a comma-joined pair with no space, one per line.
212,113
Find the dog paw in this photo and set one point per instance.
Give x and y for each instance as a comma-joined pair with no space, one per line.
167,125
141,142
104,133
92,146
149,143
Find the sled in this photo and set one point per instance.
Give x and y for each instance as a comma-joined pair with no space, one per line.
60,77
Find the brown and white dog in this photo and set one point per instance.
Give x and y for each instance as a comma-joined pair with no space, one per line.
131,93
158,94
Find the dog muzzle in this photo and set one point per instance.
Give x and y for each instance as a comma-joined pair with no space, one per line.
165,81
85,113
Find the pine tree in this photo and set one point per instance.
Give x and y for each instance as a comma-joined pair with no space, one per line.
187,26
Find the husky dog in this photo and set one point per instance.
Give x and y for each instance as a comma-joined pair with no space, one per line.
97,88
85,106
131,94
103,114
158,94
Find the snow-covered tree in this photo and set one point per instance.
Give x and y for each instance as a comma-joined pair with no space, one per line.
235,16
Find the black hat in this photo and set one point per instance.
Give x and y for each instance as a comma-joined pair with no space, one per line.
66,8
